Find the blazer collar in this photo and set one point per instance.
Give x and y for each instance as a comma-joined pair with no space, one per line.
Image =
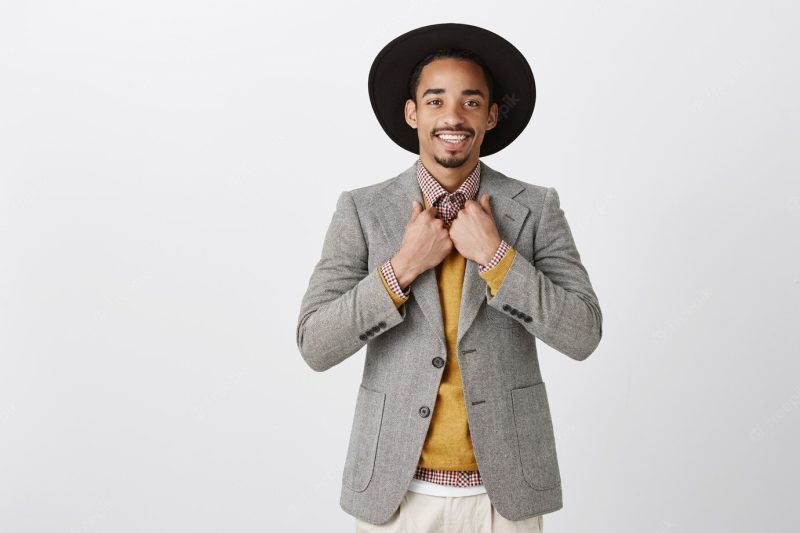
509,215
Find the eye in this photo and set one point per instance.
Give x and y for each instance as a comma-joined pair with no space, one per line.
473,102
434,100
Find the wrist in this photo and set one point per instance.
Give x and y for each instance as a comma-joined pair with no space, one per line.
490,252
404,273
495,258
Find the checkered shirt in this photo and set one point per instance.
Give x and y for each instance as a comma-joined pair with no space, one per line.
456,478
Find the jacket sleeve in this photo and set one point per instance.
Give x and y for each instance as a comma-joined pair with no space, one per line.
552,297
345,305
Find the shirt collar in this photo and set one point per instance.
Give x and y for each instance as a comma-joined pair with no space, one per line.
433,190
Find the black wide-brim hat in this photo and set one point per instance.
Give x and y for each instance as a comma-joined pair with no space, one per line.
514,87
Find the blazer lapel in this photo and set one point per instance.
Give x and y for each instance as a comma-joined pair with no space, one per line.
509,215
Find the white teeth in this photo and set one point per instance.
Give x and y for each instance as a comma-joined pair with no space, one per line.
453,138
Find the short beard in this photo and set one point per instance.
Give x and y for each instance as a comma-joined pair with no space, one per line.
450,162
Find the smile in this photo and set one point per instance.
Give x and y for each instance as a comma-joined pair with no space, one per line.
453,141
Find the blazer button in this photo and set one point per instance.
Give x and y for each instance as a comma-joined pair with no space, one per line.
363,337
375,329
424,411
506,307
370,333
514,312
528,318
438,362
381,324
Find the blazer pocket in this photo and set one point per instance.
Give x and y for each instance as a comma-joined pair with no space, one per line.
363,444
535,438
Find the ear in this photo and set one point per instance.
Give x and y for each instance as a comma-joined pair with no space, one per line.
410,112
491,120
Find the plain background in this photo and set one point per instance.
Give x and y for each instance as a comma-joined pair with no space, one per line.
169,170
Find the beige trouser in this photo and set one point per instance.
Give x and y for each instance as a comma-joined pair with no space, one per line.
422,513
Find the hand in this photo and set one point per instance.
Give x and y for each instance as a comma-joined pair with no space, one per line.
426,242
474,232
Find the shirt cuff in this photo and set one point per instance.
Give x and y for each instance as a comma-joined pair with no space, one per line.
392,285
495,275
502,249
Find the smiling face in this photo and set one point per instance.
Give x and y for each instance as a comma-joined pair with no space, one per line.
452,113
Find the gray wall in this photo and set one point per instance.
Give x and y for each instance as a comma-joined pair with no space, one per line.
154,252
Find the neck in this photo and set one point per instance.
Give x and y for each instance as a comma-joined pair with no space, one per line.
449,178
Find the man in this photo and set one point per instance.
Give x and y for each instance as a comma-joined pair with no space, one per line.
449,272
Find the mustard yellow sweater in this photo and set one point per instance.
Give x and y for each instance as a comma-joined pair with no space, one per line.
448,445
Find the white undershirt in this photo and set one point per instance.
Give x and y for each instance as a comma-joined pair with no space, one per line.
437,489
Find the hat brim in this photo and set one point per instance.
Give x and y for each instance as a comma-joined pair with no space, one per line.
514,86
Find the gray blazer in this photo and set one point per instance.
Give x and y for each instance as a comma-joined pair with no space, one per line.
545,295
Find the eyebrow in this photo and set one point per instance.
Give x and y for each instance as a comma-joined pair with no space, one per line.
465,92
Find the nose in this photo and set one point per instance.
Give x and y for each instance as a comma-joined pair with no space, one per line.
453,116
